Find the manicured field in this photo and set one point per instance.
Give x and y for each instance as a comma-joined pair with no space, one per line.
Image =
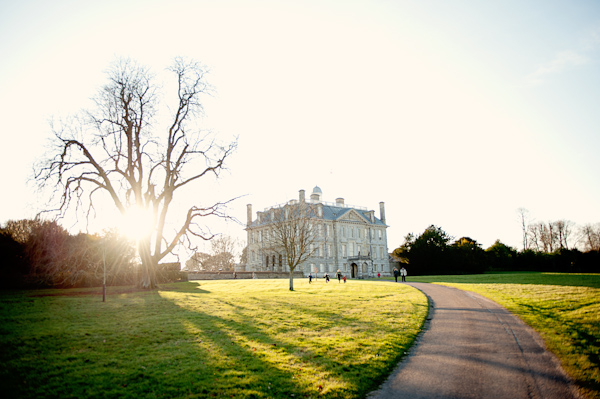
238,339
563,308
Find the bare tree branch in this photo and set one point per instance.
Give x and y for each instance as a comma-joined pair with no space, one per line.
116,149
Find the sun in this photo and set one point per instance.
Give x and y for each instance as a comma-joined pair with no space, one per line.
137,223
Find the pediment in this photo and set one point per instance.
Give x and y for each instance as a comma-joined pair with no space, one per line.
353,216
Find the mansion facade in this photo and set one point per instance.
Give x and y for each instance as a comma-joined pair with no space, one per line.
348,238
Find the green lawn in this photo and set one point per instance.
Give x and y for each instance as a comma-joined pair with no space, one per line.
563,308
239,339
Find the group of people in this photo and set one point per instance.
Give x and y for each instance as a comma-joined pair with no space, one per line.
338,274
402,273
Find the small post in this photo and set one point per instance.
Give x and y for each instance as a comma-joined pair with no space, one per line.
104,274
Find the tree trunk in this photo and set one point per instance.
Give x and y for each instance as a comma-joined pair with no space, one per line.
291,280
148,276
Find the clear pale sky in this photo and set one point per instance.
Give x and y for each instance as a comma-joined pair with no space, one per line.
454,113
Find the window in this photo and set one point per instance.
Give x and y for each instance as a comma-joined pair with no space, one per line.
344,251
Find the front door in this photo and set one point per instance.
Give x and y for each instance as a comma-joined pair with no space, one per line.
354,269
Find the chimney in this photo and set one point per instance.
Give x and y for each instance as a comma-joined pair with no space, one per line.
339,202
249,214
302,197
382,212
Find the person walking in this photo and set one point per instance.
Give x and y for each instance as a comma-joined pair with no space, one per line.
396,274
403,273
309,278
326,277
339,276
344,279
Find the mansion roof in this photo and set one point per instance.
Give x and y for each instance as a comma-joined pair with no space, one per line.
333,213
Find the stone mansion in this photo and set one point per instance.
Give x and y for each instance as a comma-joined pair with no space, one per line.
350,238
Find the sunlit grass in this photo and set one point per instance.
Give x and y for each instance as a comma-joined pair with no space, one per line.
563,308
241,339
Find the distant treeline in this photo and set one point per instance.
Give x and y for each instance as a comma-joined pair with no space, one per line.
435,252
42,254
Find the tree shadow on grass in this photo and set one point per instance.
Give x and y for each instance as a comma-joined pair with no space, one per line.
351,374
151,344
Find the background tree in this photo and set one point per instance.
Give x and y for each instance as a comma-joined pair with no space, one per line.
118,259
524,221
402,252
224,251
590,236
468,256
294,234
564,230
429,252
51,257
116,150
543,236
501,256
220,258
14,262
244,256
197,261
46,249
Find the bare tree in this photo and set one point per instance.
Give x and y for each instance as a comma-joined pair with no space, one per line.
524,220
548,237
564,229
221,257
534,233
590,236
294,234
224,250
115,150
197,261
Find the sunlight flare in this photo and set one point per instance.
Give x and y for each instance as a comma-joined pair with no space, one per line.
137,223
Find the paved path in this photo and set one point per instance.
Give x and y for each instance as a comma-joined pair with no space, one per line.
474,348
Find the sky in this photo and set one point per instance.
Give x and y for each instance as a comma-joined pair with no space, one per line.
453,113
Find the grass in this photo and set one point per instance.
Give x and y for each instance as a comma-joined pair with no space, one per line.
238,339
563,308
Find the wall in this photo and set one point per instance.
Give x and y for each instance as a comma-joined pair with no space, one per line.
240,275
